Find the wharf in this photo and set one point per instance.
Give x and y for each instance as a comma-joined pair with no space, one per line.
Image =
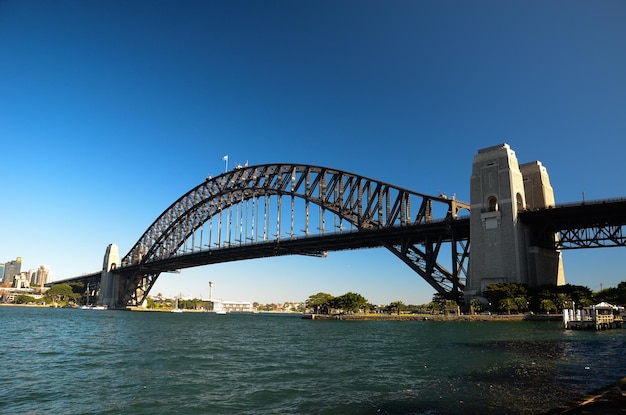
601,316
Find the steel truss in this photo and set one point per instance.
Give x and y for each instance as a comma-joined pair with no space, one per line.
596,237
596,224
423,259
279,203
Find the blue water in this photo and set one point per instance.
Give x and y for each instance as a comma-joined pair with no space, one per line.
66,361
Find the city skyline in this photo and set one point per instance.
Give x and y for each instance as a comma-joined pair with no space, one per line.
110,111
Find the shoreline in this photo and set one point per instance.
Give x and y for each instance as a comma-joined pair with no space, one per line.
609,400
435,317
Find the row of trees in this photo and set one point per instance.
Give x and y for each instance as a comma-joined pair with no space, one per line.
509,297
60,294
501,298
324,303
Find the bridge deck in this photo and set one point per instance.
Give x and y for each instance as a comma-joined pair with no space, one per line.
457,229
583,225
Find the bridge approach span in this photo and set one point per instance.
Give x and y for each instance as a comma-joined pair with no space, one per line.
591,224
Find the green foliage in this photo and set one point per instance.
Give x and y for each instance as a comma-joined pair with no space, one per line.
475,305
77,287
614,295
397,307
61,293
440,299
320,302
497,292
507,296
504,297
24,299
324,303
547,305
561,296
511,297
507,304
352,302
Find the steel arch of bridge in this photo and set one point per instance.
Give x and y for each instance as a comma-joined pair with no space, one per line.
257,206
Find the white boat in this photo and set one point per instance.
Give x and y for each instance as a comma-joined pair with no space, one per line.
176,309
219,308
93,307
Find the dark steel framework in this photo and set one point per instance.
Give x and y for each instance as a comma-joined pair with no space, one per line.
596,224
284,209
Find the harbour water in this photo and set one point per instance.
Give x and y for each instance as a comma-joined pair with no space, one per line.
68,361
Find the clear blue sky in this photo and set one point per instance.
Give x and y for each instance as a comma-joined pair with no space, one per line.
111,110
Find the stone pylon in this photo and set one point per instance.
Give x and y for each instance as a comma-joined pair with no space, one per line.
500,253
110,280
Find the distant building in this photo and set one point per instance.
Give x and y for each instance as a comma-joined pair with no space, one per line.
11,269
40,276
22,281
1,272
232,306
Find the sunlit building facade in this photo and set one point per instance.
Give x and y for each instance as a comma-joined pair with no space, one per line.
11,269
40,276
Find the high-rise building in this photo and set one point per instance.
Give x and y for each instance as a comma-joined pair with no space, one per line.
1,272
40,277
11,269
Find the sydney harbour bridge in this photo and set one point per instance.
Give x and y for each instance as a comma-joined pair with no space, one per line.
297,209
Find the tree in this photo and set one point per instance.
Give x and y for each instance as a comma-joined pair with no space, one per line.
507,304
615,296
496,292
435,307
521,303
352,302
24,299
562,300
397,307
61,293
507,296
320,302
547,305
475,305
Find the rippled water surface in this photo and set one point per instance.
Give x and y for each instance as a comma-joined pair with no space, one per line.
66,361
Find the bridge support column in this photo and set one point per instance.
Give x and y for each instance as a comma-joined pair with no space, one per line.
110,281
545,266
499,189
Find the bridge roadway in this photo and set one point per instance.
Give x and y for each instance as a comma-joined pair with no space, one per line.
594,224
579,225
442,231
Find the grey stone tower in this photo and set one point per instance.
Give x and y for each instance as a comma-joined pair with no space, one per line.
499,189
545,266
110,280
